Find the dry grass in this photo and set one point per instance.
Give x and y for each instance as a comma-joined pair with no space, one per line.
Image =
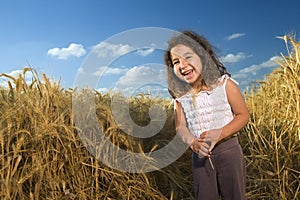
272,138
43,157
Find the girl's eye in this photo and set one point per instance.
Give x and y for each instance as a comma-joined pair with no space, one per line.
175,62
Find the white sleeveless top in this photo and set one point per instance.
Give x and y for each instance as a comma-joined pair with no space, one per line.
212,110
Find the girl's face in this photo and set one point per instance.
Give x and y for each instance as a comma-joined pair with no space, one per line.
187,64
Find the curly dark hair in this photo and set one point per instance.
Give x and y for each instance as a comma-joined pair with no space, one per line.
212,67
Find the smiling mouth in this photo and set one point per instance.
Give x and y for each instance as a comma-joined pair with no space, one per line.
188,73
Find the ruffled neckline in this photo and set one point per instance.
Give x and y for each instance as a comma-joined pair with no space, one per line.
220,83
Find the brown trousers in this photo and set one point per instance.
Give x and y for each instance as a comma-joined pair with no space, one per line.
227,180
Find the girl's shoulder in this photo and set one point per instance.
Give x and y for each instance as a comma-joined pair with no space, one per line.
226,78
219,86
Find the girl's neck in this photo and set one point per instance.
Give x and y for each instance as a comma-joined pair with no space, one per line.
198,86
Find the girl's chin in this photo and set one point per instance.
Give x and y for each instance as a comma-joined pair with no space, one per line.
189,80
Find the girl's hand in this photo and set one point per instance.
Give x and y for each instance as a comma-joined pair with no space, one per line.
211,138
200,148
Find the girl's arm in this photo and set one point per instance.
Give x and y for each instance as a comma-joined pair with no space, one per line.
181,127
239,109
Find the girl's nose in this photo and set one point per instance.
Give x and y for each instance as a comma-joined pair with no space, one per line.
183,63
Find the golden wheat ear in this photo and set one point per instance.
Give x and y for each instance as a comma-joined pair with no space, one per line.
271,139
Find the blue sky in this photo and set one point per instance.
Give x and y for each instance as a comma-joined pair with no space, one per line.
58,37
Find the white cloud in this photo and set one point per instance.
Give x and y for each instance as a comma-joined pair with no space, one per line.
73,49
80,70
105,49
255,72
139,75
103,90
253,69
235,36
231,58
15,73
3,79
145,52
104,70
141,78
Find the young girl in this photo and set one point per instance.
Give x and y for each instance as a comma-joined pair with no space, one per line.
210,110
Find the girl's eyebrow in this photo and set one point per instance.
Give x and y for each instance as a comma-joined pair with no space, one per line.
176,57
185,54
188,53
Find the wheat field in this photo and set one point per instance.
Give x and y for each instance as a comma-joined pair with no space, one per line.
43,157
271,140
